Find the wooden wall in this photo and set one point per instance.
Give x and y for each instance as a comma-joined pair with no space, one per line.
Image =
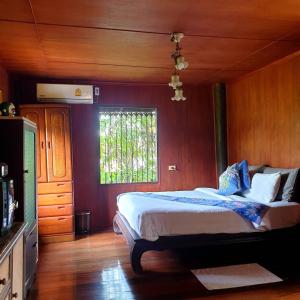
185,138
4,84
264,115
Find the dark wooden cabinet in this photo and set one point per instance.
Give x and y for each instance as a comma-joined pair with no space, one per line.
18,150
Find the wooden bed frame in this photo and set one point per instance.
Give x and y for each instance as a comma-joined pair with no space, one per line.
138,246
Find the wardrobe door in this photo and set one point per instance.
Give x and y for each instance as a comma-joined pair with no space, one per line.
37,115
58,144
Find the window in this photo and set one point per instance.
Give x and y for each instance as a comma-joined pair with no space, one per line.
128,145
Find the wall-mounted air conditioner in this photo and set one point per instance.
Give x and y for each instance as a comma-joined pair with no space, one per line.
64,93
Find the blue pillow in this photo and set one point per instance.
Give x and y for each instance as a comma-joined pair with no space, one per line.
229,181
244,175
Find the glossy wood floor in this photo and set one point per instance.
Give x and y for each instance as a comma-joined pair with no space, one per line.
97,267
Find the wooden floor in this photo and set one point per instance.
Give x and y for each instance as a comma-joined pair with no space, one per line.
97,267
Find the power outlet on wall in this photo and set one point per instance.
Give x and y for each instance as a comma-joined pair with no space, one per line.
172,168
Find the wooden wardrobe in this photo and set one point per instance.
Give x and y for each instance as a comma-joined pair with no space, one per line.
54,170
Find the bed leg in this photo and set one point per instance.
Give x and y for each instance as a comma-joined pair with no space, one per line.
135,258
116,226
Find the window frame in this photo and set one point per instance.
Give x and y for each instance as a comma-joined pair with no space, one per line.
141,108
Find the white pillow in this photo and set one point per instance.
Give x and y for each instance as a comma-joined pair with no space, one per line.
264,187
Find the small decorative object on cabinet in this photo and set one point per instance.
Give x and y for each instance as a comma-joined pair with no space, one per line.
18,137
7,109
54,170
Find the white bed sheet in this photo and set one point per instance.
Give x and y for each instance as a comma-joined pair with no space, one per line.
152,217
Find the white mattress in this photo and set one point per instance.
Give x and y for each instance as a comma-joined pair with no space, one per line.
153,217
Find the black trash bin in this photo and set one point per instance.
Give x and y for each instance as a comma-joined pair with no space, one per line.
83,222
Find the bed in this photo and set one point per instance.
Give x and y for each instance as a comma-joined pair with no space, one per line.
170,220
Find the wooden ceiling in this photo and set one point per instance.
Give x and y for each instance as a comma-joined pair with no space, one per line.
123,40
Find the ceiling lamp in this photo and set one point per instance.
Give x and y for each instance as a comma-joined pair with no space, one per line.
179,64
175,81
178,95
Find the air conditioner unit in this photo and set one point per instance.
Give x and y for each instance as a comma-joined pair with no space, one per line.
65,93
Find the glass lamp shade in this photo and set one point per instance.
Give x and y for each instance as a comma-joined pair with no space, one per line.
181,63
175,82
178,95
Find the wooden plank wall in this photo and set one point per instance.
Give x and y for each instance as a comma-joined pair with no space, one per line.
264,115
4,84
185,138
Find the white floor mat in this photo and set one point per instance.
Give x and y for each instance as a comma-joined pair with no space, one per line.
234,276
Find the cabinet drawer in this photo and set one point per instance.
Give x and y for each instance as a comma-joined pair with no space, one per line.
54,225
4,273
55,187
55,199
55,210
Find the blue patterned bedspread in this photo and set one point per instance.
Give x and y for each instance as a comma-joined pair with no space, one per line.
250,211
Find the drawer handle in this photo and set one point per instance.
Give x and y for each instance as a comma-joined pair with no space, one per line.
3,281
61,207
14,295
60,184
61,219
58,196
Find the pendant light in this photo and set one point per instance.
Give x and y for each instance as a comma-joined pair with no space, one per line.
179,64
178,95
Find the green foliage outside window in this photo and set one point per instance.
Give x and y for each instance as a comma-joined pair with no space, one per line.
128,145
